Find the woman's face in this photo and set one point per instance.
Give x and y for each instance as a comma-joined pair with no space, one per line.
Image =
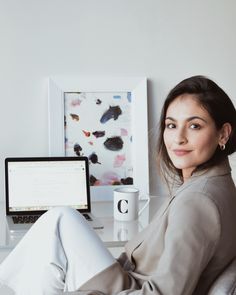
190,134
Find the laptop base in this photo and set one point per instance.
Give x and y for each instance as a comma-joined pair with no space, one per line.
24,227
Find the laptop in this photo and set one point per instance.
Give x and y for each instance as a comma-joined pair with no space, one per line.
34,185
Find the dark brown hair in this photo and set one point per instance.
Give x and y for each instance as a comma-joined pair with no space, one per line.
219,106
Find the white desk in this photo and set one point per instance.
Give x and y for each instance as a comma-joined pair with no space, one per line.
114,234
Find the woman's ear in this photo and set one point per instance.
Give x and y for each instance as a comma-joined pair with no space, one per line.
225,133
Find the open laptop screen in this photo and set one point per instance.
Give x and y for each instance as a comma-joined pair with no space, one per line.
37,184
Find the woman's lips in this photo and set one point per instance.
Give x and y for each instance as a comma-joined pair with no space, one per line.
181,152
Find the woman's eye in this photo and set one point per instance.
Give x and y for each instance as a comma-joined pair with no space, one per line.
170,126
195,126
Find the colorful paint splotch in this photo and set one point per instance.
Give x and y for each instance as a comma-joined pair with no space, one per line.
98,134
74,117
101,132
86,133
94,158
93,181
114,143
110,178
127,180
77,149
111,113
129,97
98,101
123,132
119,161
76,102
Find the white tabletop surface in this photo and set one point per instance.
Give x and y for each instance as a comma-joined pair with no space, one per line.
114,234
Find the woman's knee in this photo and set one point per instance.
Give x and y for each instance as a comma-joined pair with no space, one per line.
62,210
58,212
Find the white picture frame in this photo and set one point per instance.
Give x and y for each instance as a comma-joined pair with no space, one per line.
232,160
59,85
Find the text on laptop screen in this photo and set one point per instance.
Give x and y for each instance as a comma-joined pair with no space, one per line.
41,185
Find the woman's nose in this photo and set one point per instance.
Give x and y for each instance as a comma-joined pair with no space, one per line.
181,137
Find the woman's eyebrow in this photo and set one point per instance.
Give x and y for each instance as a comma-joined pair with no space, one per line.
188,119
196,117
170,118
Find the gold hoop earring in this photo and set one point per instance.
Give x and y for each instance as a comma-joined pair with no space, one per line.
222,147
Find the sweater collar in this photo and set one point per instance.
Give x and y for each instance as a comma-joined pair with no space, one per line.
218,170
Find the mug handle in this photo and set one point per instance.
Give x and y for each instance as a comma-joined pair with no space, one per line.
145,205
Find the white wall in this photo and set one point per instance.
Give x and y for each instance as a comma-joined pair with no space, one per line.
161,39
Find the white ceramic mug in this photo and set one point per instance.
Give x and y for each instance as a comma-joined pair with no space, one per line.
126,204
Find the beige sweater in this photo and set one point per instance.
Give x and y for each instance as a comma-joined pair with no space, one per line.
185,247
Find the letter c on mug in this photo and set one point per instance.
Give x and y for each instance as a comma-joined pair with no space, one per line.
119,206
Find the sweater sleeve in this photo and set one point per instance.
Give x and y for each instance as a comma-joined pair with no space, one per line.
190,240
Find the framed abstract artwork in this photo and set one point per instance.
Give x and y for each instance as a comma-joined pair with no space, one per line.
104,119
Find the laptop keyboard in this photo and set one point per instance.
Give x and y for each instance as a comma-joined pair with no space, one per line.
33,218
25,219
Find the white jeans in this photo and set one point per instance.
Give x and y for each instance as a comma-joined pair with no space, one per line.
59,253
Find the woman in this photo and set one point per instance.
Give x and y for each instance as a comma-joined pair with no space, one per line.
189,242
